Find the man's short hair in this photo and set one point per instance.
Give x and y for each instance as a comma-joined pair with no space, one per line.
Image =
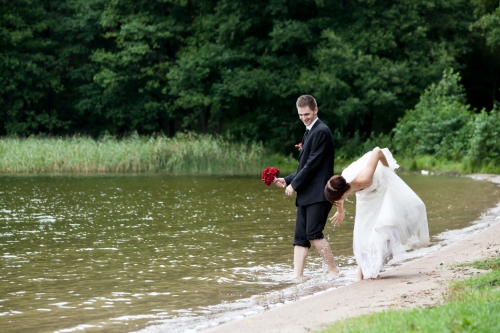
307,100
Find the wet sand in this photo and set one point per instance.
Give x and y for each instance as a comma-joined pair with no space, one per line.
416,283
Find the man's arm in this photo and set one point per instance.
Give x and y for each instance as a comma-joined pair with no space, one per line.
288,179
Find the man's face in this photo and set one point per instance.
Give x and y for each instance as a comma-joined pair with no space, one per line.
307,115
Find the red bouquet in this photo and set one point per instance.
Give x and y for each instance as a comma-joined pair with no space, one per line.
269,174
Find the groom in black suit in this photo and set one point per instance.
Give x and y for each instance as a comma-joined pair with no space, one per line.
314,170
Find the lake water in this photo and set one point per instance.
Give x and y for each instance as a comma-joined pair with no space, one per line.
157,253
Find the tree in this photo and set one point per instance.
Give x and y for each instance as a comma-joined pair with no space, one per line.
29,69
78,33
240,67
438,124
481,64
143,38
374,62
237,67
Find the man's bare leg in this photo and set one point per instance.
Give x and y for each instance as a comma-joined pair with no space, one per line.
324,250
299,260
359,275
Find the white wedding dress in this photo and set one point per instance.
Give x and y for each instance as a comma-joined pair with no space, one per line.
390,217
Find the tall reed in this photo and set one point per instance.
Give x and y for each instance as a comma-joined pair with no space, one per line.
186,153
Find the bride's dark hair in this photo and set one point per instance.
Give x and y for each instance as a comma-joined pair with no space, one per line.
335,188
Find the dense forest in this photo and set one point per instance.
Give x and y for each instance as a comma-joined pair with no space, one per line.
235,68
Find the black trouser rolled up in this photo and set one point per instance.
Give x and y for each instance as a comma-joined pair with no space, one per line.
310,222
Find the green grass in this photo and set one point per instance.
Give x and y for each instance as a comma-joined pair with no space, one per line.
471,305
186,153
431,163
490,263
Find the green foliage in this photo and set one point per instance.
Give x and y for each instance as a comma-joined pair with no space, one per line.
374,62
239,67
142,40
441,132
78,33
29,69
489,23
164,66
437,124
358,146
485,139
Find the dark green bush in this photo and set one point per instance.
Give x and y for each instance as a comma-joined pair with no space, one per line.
437,125
485,140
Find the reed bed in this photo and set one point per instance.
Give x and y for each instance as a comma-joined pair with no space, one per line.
186,153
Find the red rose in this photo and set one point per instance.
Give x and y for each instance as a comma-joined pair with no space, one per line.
299,146
269,174
264,173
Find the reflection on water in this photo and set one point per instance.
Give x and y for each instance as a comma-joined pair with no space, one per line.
118,253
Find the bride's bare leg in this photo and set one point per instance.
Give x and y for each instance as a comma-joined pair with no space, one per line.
324,250
359,275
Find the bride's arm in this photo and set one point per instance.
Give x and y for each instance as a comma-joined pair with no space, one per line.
365,177
382,157
340,214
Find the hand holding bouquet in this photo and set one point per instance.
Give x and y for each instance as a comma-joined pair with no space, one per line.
269,175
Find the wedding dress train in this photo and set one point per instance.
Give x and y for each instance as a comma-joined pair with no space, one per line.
390,217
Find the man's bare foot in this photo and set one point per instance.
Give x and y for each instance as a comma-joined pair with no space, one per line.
300,279
336,273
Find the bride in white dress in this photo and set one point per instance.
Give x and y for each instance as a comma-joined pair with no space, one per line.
390,217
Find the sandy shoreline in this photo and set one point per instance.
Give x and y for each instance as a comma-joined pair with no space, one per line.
419,282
